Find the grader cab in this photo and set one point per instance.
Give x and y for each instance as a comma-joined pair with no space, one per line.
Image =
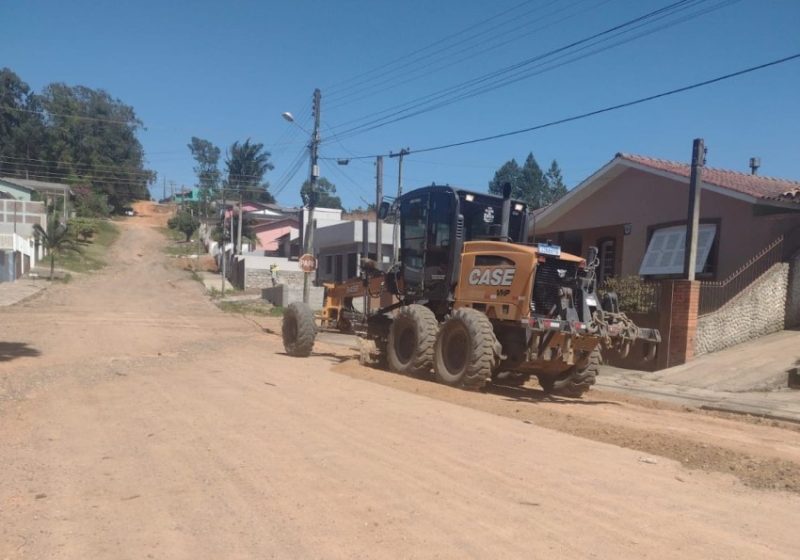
472,300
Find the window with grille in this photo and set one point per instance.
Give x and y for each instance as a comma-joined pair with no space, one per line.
665,252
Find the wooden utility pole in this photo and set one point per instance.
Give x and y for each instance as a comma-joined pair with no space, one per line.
312,195
378,221
239,238
693,219
396,228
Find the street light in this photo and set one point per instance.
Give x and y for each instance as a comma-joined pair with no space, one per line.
313,147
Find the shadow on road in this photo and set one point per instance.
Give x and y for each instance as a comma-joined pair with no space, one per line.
12,350
531,395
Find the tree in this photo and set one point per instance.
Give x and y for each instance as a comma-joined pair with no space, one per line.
206,155
535,189
326,194
509,172
57,240
246,164
555,183
21,128
529,183
91,137
184,222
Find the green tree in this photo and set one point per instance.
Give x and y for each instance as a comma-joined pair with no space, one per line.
22,129
206,155
555,183
92,137
535,183
246,164
326,194
184,222
529,183
509,172
56,239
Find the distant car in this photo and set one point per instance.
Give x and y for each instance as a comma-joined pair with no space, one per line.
129,211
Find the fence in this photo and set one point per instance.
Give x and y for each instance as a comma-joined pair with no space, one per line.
714,295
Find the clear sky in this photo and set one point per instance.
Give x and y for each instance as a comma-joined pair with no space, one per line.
226,71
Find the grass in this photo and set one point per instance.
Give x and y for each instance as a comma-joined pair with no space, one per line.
251,308
178,247
93,252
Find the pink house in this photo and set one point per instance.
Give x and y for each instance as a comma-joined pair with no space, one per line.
268,233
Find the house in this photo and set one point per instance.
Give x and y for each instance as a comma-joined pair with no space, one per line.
634,210
56,194
268,232
9,188
339,248
19,251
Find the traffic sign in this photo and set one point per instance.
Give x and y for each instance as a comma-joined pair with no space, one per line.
308,263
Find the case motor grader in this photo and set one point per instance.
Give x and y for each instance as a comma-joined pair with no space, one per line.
472,300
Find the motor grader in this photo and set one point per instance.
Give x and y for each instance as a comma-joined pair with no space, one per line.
472,300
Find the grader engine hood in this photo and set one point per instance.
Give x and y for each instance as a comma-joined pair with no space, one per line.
497,278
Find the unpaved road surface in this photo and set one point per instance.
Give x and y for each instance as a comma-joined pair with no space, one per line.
138,421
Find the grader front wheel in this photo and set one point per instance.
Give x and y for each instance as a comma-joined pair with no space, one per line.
298,330
576,381
411,338
466,350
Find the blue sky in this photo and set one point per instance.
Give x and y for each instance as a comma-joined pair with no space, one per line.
226,71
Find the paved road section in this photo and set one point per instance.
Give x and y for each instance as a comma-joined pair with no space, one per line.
138,421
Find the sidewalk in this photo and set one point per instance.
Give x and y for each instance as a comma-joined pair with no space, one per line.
750,378
14,292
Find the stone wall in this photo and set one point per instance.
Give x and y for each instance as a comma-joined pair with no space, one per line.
260,278
283,294
793,293
759,310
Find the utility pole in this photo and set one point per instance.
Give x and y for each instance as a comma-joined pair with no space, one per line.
164,189
312,197
693,220
378,221
396,229
239,239
222,244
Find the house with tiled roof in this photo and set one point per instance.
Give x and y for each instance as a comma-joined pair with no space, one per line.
634,210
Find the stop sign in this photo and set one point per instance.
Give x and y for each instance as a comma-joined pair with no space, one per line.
308,263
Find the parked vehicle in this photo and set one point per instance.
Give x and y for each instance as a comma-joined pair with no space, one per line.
472,300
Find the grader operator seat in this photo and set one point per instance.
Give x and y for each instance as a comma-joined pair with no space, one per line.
435,222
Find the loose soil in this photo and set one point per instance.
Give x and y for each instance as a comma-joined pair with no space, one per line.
137,420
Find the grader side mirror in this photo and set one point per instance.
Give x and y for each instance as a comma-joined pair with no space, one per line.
383,210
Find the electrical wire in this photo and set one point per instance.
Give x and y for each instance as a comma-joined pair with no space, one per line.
461,91
595,112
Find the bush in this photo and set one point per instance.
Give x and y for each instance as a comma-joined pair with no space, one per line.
84,228
635,295
184,222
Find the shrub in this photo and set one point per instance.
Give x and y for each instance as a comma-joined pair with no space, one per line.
634,294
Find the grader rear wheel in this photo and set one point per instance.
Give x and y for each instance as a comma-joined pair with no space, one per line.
298,330
411,338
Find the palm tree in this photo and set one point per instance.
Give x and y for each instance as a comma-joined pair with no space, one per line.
56,239
246,164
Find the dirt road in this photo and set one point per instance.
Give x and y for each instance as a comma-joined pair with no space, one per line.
138,421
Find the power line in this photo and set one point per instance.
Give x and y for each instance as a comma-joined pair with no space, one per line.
597,111
337,88
431,65
441,96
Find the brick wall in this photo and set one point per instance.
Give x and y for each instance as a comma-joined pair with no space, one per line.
759,310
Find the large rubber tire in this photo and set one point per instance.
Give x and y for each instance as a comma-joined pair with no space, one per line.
575,381
298,329
411,338
466,350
